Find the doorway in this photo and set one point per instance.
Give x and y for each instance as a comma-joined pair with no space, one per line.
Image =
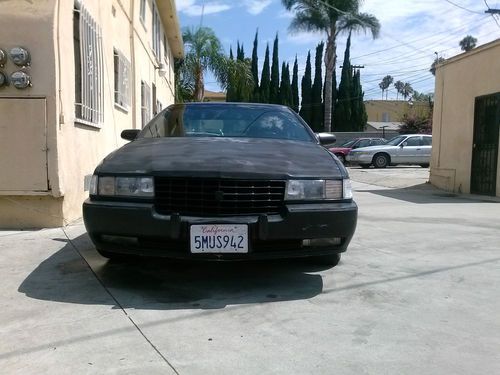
485,145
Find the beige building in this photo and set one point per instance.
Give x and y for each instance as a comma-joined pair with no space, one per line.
465,156
73,75
212,96
393,110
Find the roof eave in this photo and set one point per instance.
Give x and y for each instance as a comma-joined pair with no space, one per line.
168,14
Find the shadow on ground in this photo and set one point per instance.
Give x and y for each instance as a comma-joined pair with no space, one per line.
426,194
160,284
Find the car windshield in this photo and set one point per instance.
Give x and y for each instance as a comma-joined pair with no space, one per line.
212,120
396,140
348,144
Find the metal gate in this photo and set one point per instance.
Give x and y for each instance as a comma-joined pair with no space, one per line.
485,146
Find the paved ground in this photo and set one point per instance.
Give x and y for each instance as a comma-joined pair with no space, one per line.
416,293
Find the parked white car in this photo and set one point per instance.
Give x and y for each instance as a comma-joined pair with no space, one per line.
403,149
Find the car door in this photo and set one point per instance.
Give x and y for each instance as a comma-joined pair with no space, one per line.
425,150
410,148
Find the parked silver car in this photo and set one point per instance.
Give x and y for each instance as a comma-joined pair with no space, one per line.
403,149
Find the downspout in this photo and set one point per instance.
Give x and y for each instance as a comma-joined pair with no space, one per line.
132,59
441,120
54,151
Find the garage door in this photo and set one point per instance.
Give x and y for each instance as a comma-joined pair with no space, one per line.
23,155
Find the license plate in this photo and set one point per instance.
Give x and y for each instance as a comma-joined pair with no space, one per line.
219,238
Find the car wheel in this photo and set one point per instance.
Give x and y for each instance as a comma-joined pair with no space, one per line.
341,158
380,161
424,165
365,166
330,260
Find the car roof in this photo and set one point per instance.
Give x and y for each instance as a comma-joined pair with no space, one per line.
233,104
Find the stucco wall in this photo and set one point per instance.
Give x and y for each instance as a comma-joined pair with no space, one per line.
73,149
31,26
393,109
458,82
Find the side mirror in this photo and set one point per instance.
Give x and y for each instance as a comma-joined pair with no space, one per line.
326,138
130,134
403,144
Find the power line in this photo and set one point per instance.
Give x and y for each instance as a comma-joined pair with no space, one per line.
461,7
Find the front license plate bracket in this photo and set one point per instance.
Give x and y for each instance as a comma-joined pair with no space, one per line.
218,238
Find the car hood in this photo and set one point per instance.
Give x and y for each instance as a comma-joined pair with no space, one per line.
222,157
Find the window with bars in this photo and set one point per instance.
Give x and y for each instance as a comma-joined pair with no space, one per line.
145,103
89,85
122,80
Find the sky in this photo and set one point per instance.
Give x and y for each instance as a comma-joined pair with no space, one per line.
413,33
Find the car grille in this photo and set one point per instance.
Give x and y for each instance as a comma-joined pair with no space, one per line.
216,197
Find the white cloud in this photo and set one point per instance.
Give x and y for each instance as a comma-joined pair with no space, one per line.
191,8
304,38
256,7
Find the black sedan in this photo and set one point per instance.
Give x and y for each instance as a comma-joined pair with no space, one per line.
222,181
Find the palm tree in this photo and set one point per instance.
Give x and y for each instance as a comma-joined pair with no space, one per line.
203,53
407,90
239,75
384,85
399,87
468,43
437,61
333,17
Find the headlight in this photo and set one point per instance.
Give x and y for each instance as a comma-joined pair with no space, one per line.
122,186
318,189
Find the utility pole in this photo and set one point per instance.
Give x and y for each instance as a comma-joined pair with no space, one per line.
492,11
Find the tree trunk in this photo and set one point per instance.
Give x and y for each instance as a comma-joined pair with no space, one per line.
330,61
199,87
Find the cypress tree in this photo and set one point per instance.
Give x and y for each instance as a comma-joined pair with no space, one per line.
230,89
334,97
355,109
295,86
265,79
255,69
285,88
317,89
359,116
343,111
275,75
306,88
240,54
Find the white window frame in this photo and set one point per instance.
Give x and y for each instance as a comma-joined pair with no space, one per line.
90,109
142,12
122,80
156,32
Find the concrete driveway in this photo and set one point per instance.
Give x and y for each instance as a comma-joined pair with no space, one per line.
416,293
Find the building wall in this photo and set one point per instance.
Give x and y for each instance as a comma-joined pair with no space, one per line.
392,110
73,149
458,82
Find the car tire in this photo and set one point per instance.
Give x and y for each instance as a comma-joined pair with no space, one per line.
381,161
330,260
365,166
424,165
341,158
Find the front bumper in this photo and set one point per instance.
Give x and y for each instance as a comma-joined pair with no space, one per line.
136,228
